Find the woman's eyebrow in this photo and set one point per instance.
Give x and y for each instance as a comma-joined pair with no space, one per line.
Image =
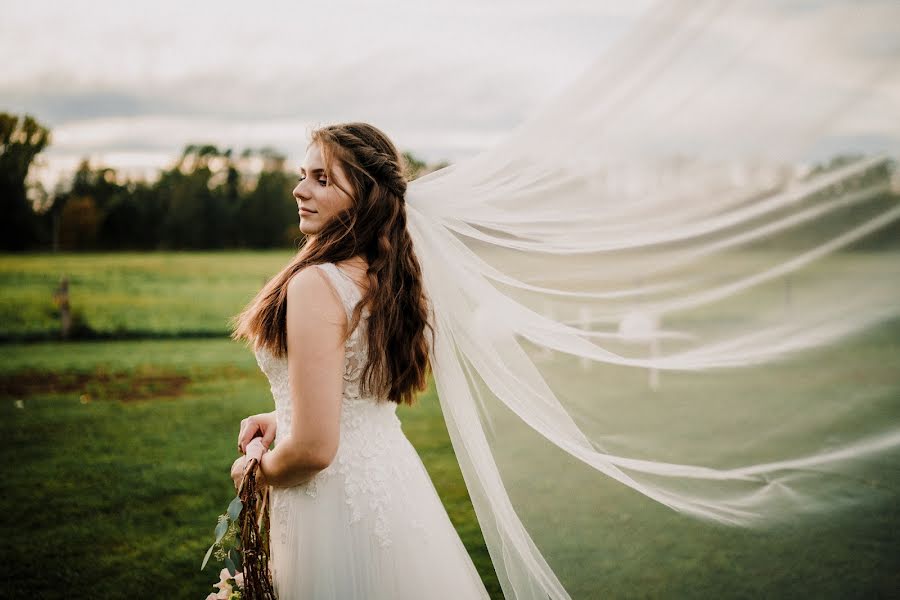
314,171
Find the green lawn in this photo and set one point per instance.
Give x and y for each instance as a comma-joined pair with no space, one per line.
112,492
117,461
113,486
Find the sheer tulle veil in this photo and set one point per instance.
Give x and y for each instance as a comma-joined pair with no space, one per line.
668,302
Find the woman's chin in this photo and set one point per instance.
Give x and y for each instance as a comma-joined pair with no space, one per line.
307,228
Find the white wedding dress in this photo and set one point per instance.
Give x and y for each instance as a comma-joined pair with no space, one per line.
371,525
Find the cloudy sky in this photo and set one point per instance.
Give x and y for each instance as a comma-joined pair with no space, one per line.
129,84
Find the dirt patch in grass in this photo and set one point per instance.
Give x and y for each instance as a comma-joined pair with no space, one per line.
100,385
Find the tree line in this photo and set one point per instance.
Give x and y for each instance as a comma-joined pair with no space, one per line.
211,198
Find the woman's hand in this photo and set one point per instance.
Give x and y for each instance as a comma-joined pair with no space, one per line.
261,425
255,449
237,470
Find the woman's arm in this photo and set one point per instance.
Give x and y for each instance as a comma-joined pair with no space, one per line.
316,323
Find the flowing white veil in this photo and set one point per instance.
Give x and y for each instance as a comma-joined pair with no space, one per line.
677,286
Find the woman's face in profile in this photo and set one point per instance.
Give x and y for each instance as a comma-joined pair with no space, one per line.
318,198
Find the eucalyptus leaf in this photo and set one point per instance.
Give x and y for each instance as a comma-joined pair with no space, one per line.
206,558
234,509
221,528
229,564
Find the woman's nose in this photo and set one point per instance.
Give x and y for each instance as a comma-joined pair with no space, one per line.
298,192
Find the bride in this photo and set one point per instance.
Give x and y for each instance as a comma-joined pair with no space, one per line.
342,335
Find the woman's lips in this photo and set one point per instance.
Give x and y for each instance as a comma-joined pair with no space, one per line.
306,211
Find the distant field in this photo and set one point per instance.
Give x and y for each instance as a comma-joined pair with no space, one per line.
194,294
145,294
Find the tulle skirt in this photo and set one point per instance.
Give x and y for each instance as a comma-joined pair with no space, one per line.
358,532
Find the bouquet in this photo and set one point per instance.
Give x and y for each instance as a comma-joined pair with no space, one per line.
248,514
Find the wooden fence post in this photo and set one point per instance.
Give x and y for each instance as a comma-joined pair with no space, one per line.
61,298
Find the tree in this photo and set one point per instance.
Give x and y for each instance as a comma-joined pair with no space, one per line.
21,140
79,223
415,167
268,215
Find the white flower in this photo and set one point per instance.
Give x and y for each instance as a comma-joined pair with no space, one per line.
223,586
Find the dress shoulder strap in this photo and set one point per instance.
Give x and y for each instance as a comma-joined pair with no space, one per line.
345,288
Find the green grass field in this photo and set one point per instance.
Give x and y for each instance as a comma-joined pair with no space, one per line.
117,451
130,472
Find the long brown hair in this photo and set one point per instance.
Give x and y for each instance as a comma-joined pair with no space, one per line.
375,227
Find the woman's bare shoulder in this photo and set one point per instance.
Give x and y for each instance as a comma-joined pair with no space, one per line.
310,290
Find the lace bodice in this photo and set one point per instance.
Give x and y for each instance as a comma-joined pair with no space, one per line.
369,428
